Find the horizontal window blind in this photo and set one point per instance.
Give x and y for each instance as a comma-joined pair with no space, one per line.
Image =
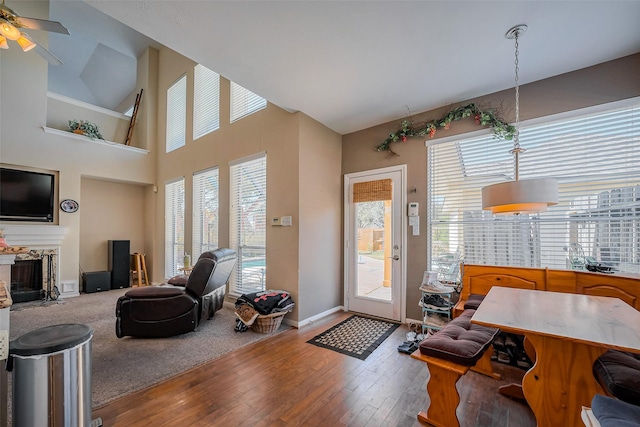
206,101
176,114
173,227
596,160
247,224
205,212
244,102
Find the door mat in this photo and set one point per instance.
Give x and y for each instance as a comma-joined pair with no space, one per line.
356,336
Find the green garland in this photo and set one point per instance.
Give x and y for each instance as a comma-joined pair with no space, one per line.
84,127
501,129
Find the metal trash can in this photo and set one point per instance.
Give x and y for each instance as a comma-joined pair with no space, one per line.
52,376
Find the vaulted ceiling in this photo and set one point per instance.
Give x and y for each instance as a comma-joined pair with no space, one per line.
352,64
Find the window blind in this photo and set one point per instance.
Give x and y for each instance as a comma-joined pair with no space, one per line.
177,114
372,191
206,101
205,212
596,160
173,227
244,102
247,223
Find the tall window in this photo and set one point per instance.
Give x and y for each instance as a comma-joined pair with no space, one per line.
205,211
247,223
177,114
173,227
244,102
206,101
596,159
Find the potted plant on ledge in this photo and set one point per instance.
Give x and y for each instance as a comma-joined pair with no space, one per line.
84,127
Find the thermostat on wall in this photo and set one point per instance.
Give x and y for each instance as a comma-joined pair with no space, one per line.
414,208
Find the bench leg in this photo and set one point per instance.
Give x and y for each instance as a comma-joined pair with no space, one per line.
484,366
444,398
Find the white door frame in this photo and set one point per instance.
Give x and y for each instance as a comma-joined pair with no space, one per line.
403,238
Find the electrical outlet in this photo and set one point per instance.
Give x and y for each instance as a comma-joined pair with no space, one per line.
4,344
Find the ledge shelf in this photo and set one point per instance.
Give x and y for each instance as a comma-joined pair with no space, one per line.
83,138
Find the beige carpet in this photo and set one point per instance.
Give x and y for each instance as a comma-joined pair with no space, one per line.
121,366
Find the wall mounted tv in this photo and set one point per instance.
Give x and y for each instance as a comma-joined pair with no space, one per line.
26,195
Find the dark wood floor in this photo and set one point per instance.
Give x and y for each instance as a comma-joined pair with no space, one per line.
285,381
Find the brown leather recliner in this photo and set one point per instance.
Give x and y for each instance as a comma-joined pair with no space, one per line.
164,311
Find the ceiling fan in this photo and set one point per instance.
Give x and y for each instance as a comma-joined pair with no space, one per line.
10,29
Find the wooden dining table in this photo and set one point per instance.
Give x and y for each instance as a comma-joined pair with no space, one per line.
569,332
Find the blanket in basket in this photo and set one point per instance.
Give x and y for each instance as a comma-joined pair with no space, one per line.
250,306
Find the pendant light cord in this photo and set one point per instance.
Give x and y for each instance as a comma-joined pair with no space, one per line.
516,137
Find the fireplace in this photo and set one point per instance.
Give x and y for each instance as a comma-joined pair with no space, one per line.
43,245
26,280
33,276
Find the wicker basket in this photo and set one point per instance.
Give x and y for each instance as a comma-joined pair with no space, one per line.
267,323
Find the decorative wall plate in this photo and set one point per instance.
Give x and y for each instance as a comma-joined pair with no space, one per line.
69,205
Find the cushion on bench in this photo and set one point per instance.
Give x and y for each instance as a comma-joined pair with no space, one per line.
460,341
612,412
618,372
473,302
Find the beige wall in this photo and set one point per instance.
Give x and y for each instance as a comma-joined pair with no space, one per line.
109,211
23,111
103,179
595,85
305,164
292,167
320,221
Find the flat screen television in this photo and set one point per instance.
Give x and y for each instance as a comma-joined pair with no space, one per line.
26,195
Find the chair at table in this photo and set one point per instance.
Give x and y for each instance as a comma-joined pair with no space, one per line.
618,373
163,311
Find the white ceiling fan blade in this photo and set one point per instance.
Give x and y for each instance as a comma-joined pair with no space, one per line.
41,24
50,57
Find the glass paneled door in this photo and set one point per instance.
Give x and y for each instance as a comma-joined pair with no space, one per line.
374,242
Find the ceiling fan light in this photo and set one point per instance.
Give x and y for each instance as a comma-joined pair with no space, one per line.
3,43
25,43
9,31
521,196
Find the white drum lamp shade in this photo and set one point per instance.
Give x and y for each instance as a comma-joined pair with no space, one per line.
521,196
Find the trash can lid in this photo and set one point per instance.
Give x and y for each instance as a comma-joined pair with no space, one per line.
50,339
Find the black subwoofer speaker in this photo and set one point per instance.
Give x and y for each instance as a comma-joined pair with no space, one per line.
96,281
119,263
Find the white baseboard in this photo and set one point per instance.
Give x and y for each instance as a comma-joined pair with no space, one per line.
293,323
313,319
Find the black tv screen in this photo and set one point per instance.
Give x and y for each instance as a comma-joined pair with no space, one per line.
26,195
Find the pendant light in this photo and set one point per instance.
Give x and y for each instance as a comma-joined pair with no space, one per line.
519,196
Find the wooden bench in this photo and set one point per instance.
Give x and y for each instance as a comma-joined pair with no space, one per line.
478,279
449,354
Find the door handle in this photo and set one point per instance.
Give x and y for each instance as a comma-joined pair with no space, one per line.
395,257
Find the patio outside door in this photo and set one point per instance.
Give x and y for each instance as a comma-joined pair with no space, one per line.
374,246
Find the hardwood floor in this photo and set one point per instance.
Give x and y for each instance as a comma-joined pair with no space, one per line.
284,381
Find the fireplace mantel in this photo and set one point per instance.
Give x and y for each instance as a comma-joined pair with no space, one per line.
34,236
